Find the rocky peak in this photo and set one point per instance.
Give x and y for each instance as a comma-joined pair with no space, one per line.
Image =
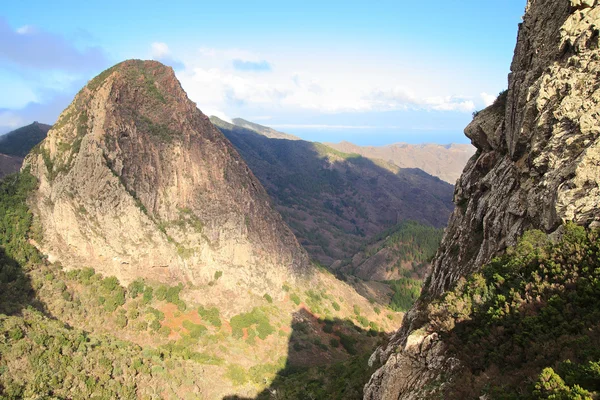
537,166
136,182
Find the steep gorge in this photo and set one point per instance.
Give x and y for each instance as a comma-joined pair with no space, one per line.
537,166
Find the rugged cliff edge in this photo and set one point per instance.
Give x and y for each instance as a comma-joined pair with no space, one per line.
136,182
537,166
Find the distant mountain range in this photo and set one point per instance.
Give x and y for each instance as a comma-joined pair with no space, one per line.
15,145
444,161
335,201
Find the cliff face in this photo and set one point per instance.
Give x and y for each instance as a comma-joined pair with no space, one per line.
537,165
136,182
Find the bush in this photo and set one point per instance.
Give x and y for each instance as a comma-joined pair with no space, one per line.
254,318
164,331
135,288
211,315
294,297
268,298
121,321
195,330
236,374
335,305
147,298
160,293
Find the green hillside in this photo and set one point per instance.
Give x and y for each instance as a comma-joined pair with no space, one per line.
20,141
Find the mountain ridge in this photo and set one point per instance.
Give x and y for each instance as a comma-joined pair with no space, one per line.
332,200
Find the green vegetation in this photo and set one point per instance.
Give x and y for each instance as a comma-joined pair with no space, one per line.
410,241
157,130
210,315
15,249
268,298
253,319
47,360
530,315
294,297
338,381
406,292
20,141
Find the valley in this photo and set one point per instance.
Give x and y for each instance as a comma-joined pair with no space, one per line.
153,247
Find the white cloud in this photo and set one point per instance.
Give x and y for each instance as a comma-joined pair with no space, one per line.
488,99
160,50
10,120
26,30
399,98
210,79
260,118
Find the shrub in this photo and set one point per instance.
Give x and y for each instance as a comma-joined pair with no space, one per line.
254,318
121,321
335,305
294,297
196,330
135,288
236,374
268,298
164,331
155,325
160,293
211,315
147,298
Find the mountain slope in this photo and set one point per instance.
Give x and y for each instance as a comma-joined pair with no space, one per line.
536,167
445,162
334,201
169,341
136,182
15,145
263,130
20,141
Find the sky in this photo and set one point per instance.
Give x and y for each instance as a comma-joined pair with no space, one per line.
368,72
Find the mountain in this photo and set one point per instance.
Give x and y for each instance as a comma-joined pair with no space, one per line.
21,140
140,258
263,130
136,182
9,164
333,201
506,311
15,145
444,161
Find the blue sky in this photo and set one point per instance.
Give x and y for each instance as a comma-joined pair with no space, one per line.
369,73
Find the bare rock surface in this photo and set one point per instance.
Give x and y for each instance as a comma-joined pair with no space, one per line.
136,182
537,165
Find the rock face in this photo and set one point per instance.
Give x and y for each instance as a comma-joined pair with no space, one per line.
445,162
537,165
136,182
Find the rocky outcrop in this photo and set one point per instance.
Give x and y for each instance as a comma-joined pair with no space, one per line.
136,182
537,165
